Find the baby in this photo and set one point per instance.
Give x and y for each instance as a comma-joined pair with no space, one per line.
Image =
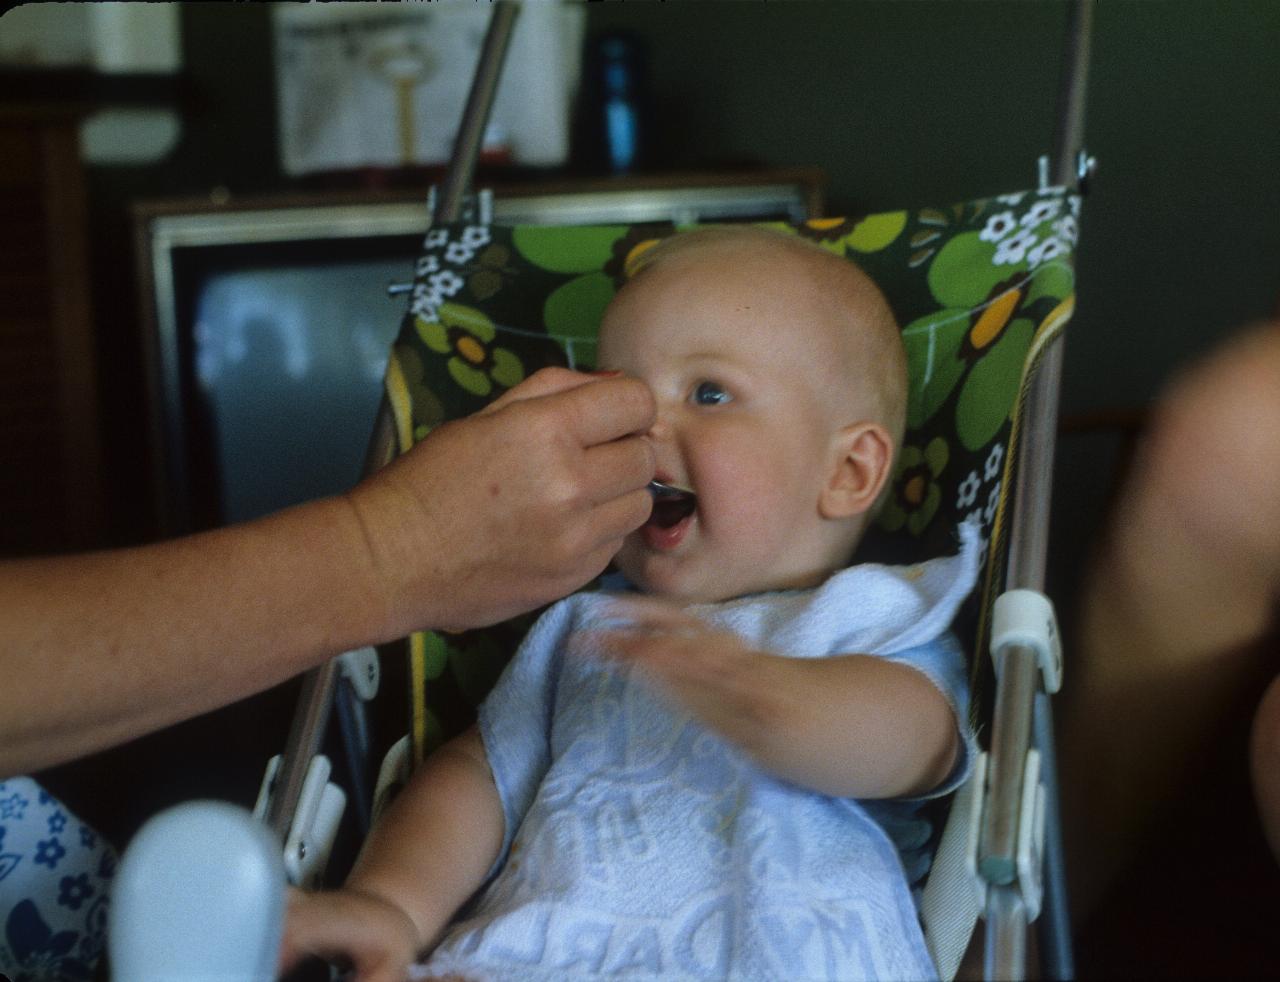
679,785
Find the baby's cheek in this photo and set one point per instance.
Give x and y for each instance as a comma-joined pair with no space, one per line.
626,558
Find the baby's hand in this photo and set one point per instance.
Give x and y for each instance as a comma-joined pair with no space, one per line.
374,935
730,687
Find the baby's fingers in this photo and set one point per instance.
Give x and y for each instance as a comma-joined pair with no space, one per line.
650,615
376,938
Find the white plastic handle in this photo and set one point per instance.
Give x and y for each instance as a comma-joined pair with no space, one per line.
362,668
199,895
1026,617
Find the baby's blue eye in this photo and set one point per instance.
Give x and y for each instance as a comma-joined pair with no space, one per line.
710,394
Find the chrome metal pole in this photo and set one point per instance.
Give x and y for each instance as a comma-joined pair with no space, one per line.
1033,489
1056,955
306,733
316,698
1068,135
1018,684
1010,741
484,86
1006,953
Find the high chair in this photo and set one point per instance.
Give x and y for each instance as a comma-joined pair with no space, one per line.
982,290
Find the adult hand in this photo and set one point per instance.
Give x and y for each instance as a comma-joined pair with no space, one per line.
513,507
488,517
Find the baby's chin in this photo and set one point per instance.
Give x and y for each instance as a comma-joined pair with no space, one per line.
690,589
674,585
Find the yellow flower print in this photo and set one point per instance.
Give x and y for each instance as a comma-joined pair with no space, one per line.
466,336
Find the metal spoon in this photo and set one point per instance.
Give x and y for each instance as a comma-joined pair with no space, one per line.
671,504
660,490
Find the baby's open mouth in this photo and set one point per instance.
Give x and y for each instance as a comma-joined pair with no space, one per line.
671,505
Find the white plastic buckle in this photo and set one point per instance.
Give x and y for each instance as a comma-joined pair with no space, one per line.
362,669
1031,833
977,787
394,773
1031,819
315,822
1026,617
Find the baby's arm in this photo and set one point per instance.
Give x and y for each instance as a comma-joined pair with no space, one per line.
852,726
422,861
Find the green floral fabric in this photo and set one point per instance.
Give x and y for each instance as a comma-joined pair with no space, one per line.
978,288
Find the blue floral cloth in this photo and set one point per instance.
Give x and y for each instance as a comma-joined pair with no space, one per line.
55,875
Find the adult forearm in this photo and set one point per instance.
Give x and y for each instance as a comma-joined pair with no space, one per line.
100,648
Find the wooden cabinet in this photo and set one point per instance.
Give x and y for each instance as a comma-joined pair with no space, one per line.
49,445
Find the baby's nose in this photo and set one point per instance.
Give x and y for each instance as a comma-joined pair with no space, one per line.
661,429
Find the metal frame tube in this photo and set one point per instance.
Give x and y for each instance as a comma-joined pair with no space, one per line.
484,86
1006,953
1057,960
1028,551
1010,741
315,701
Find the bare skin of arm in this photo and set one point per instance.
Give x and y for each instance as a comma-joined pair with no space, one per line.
852,726
423,860
489,516
1184,586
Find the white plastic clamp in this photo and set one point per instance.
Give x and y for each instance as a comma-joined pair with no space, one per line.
1031,819
1029,858
394,773
1026,617
315,822
362,668
976,786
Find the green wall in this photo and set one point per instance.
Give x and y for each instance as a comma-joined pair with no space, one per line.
913,103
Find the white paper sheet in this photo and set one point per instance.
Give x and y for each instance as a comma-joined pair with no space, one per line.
384,84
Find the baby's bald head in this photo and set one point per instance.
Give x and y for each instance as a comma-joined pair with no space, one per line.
859,361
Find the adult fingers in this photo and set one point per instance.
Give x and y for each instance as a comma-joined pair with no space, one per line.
545,382
613,520
619,467
608,409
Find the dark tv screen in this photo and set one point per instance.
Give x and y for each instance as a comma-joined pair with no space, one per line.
282,348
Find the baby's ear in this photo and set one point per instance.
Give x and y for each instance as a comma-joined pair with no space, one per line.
861,456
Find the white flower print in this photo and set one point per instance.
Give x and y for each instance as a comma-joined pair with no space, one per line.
1066,228
436,238
1014,248
427,265
1012,200
425,303
998,226
1041,212
1048,249
474,236
1074,204
974,517
994,459
446,282
968,490
458,253
993,502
